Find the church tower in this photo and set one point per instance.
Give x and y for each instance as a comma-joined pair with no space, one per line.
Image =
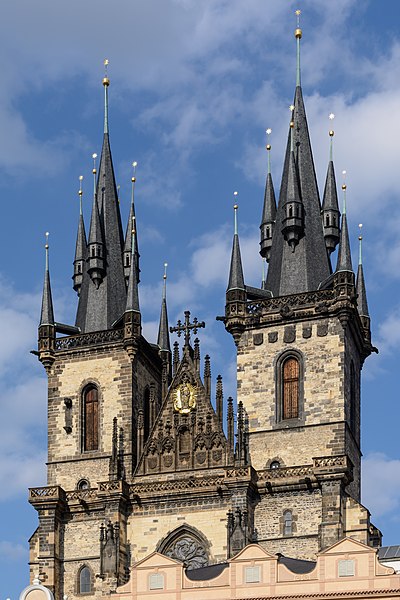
138,459
301,343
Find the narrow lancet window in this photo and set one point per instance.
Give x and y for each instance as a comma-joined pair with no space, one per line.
290,388
90,418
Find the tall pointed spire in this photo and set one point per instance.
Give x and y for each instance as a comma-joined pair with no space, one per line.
269,209
102,299
128,236
163,330
362,303
47,313
236,279
303,269
330,205
106,83
132,299
80,246
344,255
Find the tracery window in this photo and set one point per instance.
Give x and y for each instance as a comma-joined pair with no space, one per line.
290,388
84,580
90,418
186,545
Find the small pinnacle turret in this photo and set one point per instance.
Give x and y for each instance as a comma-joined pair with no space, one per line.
163,329
96,258
330,206
47,312
293,214
269,211
361,291
80,247
132,299
128,236
344,254
236,278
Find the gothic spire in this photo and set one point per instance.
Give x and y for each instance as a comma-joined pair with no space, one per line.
362,303
102,299
344,253
269,210
80,246
236,279
163,330
330,205
47,313
304,265
132,300
128,235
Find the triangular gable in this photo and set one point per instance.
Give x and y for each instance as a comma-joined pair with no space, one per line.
253,552
156,560
347,545
186,434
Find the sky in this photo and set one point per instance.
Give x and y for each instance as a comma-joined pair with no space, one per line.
194,86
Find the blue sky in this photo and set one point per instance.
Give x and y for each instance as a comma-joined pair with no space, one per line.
194,85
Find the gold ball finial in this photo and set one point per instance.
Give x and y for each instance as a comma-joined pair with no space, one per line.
268,147
291,124
235,206
47,240
360,228
298,32
331,133
344,187
106,81
268,132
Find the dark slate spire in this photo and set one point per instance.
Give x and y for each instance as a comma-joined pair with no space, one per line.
47,313
344,253
305,268
132,299
80,247
330,205
163,330
236,279
362,303
102,300
269,212
128,235
293,213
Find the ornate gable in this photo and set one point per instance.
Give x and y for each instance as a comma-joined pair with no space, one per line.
187,433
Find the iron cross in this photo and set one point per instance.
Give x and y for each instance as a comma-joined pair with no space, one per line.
186,327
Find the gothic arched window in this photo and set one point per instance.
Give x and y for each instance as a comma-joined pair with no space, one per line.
90,418
290,388
187,545
84,580
289,378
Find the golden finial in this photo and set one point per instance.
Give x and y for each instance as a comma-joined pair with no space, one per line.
106,81
165,271
360,228
94,156
268,132
235,195
344,186
331,117
298,33
47,240
80,185
134,165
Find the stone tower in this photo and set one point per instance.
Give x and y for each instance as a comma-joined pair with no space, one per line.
301,343
139,459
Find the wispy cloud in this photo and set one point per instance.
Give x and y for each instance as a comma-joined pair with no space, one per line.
381,484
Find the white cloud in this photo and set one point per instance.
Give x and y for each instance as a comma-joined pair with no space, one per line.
381,484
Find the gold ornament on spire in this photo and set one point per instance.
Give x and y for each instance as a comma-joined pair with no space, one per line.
298,32
235,195
360,228
106,81
268,132
165,271
344,186
80,185
331,117
47,240
134,165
